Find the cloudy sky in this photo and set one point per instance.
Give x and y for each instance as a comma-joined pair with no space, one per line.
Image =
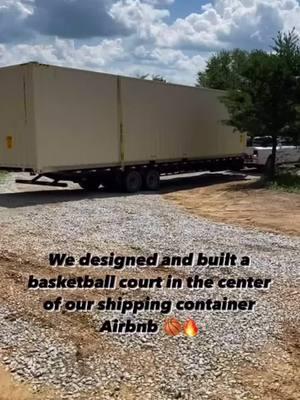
172,38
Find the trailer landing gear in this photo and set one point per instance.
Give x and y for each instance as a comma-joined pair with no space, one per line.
35,181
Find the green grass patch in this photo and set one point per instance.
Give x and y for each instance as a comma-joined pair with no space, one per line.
288,182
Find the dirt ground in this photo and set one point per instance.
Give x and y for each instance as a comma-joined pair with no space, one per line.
241,204
270,211
10,390
277,379
234,203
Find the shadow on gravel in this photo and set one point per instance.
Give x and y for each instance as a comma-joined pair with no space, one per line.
168,185
176,184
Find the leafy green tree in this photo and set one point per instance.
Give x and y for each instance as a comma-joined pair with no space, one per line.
145,76
223,70
263,89
287,47
153,77
159,78
266,101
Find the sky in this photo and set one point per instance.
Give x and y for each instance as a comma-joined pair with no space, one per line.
171,38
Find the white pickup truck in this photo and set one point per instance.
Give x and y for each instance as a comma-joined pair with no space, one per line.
259,151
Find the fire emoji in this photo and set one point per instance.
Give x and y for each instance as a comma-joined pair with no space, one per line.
172,327
190,328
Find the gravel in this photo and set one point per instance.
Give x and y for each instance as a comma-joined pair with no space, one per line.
34,223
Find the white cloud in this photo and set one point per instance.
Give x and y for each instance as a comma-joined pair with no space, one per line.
150,43
159,2
64,52
174,65
137,15
231,23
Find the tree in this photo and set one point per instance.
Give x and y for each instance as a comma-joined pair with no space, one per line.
266,101
223,70
287,47
153,77
145,76
159,78
263,89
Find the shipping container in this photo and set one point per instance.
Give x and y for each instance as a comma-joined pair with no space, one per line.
94,128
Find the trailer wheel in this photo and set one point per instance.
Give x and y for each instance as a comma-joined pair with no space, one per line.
132,181
89,184
151,180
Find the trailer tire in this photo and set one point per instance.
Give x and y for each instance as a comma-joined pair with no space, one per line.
132,181
151,180
89,184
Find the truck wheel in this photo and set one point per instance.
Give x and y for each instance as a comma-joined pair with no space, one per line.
132,181
89,184
151,180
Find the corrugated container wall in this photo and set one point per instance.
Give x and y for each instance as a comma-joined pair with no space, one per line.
17,133
55,118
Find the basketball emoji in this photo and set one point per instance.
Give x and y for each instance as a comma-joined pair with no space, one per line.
190,328
172,327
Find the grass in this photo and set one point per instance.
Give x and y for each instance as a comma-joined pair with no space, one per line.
285,181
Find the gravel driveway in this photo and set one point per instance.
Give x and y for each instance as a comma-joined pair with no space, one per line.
34,222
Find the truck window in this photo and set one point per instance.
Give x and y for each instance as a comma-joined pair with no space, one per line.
264,141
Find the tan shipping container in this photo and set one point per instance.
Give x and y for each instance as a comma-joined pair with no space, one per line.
56,119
